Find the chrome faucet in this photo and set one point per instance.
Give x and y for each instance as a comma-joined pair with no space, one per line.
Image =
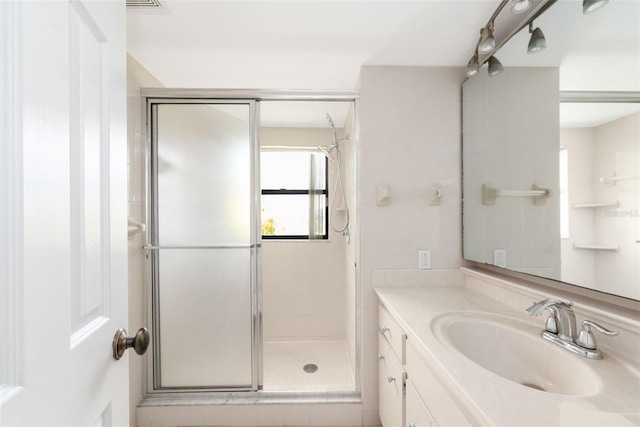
561,322
560,328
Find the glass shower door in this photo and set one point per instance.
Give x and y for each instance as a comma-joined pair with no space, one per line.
204,249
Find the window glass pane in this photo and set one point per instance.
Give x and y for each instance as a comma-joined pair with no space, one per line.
286,169
318,213
285,215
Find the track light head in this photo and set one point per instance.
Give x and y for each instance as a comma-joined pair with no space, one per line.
537,41
520,6
472,67
487,42
590,6
495,66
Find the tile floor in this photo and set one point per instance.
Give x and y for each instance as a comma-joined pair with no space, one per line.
284,363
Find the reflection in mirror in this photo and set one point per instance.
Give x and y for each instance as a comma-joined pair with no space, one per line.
600,196
552,188
511,143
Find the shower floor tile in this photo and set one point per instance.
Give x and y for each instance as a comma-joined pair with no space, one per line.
284,363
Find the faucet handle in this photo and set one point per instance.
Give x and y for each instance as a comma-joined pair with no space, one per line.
585,336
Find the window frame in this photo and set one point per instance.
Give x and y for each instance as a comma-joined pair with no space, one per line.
298,191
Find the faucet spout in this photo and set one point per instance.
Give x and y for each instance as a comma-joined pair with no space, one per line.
537,308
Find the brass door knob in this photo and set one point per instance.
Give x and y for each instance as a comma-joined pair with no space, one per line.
121,342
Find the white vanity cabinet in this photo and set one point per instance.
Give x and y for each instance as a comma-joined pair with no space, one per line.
439,406
409,394
391,374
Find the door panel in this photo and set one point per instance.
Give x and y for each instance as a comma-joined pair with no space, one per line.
203,174
67,115
205,334
204,245
89,173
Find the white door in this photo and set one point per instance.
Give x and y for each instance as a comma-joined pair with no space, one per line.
63,166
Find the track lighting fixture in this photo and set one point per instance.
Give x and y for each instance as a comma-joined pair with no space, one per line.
487,42
495,66
589,6
472,67
520,6
537,41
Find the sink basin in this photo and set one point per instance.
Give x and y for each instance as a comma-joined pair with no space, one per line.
514,350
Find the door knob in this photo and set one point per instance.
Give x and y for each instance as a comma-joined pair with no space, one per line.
122,342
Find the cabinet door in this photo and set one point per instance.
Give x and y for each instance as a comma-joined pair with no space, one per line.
390,385
446,411
417,414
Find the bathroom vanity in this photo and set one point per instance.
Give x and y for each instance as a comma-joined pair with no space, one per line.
471,355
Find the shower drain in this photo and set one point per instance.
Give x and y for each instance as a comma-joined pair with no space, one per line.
310,368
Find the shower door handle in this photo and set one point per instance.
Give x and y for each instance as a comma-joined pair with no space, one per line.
122,342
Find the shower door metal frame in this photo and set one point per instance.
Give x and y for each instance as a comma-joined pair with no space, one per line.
153,246
154,96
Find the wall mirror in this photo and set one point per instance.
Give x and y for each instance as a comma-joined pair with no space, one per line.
551,152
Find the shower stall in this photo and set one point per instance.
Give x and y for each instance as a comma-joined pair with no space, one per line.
229,310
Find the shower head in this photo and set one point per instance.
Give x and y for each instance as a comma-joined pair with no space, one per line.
333,127
330,120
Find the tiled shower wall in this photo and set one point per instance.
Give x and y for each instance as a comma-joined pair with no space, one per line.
303,282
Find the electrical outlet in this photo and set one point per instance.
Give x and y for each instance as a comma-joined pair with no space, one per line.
424,259
500,258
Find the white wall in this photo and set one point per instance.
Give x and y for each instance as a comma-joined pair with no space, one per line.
410,137
137,77
135,141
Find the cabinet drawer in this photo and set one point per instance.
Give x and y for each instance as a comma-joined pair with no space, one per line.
444,409
392,332
417,415
390,385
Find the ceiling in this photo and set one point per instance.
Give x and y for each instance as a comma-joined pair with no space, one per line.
299,44
307,44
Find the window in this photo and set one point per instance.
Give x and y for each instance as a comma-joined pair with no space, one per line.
294,194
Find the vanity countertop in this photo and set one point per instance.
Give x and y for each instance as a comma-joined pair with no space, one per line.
493,400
